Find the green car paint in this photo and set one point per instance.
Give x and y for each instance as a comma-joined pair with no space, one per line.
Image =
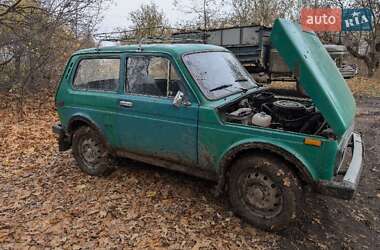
194,135
304,53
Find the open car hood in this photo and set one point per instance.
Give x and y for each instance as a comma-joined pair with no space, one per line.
316,72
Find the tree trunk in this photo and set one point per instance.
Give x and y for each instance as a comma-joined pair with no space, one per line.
370,60
17,67
371,67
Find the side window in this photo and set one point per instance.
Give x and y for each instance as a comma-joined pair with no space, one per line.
152,75
97,74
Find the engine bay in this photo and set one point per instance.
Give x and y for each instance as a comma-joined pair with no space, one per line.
287,113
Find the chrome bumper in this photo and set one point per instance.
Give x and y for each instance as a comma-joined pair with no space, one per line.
346,188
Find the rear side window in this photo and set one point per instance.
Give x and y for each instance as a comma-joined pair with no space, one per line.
152,75
97,74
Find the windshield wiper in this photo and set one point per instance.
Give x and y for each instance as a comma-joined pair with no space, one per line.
241,80
244,90
220,87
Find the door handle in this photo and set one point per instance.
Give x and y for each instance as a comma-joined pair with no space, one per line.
126,104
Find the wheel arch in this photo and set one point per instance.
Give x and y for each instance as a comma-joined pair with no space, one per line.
78,121
296,165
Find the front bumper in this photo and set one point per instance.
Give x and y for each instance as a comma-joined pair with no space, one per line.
64,142
346,187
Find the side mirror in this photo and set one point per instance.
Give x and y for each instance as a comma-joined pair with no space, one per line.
179,100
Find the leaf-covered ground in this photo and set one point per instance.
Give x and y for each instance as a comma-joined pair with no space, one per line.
360,86
47,202
364,86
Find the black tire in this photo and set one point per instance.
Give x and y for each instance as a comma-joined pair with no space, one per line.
90,153
264,192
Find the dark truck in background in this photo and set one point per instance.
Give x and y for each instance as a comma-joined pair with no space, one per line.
251,45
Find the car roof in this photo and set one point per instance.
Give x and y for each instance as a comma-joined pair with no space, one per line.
174,49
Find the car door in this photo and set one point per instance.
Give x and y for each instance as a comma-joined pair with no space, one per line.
94,92
149,123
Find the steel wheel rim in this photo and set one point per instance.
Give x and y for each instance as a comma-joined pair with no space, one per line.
90,151
261,194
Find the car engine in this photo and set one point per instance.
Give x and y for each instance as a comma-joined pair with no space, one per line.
288,113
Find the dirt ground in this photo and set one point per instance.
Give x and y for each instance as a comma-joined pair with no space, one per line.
337,224
47,202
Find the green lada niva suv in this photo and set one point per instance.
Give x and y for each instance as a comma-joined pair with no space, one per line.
195,109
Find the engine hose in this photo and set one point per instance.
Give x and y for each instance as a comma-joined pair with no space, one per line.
320,128
266,108
308,125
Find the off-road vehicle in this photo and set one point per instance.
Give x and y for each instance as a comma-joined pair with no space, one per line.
195,109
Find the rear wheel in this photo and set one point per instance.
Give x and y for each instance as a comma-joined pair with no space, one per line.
90,153
264,192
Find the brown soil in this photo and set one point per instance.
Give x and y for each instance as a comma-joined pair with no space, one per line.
337,224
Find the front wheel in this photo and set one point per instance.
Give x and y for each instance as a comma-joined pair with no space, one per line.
264,192
90,153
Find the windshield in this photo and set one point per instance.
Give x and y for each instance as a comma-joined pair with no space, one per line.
218,74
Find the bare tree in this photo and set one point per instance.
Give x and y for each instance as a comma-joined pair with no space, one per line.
29,28
361,44
206,13
37,37
148,20
262,12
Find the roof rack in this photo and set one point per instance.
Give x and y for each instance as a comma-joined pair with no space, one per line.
129,37
152,40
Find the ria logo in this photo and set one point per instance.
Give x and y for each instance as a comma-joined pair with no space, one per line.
357,20
336,19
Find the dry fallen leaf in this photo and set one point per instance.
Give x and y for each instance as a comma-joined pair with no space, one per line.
286,182
316,220
102,214
150,194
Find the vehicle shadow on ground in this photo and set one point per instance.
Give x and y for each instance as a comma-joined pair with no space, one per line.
199,187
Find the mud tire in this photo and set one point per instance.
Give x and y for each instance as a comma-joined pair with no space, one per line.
265,192
90,152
